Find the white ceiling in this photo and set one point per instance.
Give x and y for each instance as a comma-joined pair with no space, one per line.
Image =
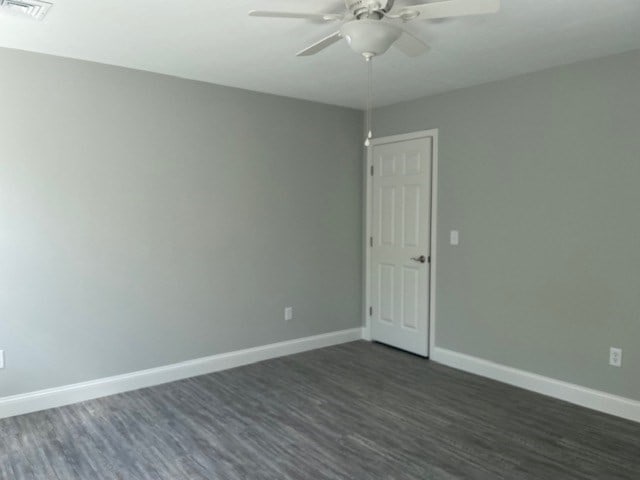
215,41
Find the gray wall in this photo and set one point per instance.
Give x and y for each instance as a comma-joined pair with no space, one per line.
146,220
541,175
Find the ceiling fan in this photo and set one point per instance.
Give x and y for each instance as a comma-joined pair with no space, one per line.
371,27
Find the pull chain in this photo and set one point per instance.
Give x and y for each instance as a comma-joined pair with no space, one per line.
368,58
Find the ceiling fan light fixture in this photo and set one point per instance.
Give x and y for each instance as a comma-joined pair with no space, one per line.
35,9
370,37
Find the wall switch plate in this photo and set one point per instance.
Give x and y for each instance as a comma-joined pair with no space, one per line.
454,237
1,358
288,313
615,357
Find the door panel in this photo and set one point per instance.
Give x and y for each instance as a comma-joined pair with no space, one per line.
411,220
401,219
387,215
386,284
410,293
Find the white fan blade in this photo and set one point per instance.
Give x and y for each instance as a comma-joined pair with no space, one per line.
320,45
410,45
448,8
327,17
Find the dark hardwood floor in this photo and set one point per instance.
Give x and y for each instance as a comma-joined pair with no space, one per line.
355,411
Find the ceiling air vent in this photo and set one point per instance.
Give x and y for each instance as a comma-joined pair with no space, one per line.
25,8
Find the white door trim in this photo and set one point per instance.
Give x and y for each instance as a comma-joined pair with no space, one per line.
433,134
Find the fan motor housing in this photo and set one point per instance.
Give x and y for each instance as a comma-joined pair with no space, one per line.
366,8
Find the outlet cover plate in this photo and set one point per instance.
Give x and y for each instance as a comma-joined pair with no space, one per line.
454,237
615,357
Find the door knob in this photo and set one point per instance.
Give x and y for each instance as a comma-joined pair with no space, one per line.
421,259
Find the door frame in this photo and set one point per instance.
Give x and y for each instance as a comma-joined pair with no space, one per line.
433,134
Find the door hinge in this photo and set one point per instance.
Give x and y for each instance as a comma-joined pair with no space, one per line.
372,170
429,259
371,241
370,311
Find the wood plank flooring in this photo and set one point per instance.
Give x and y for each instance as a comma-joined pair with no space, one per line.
355,411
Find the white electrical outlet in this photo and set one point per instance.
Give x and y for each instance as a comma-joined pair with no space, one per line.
1,358
615,357
288,313
454,237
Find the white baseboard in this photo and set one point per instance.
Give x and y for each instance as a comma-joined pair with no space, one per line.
366,332
569,392
79,392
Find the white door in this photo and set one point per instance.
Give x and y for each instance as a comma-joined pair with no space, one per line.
400,244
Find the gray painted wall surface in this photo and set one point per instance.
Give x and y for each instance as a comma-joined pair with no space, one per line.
541,175
147,220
